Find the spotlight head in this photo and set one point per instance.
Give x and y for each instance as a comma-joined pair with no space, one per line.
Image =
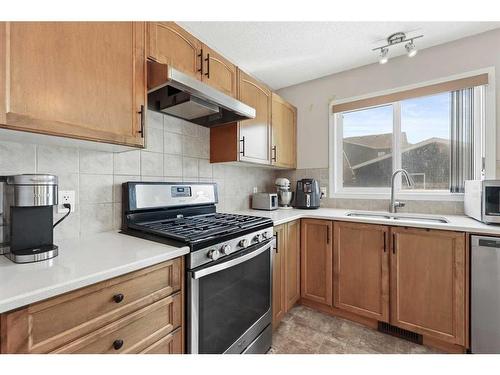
411,50
383,58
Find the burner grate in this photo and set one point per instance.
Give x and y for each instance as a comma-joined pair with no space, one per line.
192,228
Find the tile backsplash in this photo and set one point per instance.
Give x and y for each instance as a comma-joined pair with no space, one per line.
176,151
322,175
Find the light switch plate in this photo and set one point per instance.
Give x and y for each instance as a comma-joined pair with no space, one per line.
65,196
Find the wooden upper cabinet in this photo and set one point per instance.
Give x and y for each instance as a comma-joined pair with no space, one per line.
316,261
361,269
428,283
219,72
292,264
284,133
170,44
279,302
83,80
255,133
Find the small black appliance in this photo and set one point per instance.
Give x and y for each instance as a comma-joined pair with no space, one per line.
307,194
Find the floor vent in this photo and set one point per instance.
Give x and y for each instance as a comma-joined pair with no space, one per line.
399,332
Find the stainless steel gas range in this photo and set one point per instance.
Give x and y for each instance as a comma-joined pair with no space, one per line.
229,267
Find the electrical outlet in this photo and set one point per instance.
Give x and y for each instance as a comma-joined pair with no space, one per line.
323,191
65,196
255,190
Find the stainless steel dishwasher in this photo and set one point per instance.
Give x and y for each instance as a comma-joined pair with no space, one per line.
485,294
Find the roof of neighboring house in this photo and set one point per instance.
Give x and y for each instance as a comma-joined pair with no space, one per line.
376,141
406,149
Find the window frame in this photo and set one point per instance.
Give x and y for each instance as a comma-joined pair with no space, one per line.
486,142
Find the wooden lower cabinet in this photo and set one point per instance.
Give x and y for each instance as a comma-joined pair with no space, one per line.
286,269
428,283
127,314
292,264
278,301
415,279
316,261
361,269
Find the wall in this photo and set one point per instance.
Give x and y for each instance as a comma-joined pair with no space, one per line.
176,151
312,98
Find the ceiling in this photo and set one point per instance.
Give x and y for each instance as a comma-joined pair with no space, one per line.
282,54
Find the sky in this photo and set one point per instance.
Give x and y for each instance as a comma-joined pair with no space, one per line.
421,118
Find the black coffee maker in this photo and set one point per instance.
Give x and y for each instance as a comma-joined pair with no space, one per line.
26,217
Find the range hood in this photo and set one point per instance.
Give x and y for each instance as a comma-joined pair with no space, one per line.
178,94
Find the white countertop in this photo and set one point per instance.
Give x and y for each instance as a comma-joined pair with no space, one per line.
456,222
81,262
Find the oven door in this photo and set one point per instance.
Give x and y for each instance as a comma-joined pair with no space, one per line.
229,302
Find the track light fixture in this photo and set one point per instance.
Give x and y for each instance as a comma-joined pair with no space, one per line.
394,39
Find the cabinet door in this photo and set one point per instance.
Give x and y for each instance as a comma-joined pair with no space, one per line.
361,269
316,261
292,261
428,271
284,133
171,44
83,80
219,72
279,305
255,133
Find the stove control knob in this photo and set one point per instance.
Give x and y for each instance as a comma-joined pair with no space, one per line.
244,243
226,249
214,254
267,235
258,238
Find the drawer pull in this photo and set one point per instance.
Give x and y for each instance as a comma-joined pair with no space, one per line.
117,344
118,297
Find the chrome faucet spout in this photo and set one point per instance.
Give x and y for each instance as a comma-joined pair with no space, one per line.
409,180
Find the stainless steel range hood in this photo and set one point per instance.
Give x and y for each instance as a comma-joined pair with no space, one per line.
177,94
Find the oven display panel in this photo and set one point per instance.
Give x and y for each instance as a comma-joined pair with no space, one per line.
181,191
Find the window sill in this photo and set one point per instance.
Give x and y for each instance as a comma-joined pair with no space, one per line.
412,196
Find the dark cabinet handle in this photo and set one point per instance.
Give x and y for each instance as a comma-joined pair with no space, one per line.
394,243
118,297
117,344
385,242
274,153
242,141
327,235
276,243
200,69
208,65
141,112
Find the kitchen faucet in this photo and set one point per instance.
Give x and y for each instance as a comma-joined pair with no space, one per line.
409,180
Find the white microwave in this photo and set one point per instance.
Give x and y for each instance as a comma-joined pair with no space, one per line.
482,200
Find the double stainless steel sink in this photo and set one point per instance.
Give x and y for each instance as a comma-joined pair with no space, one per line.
398,216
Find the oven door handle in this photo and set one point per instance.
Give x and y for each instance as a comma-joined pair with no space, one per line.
233,262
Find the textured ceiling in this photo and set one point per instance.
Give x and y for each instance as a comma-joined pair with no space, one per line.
282,54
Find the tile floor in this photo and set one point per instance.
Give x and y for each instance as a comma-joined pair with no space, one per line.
306,331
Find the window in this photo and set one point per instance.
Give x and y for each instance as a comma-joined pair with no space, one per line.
437,138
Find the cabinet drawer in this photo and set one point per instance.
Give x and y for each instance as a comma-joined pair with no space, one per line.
47,325
133,333
170,344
